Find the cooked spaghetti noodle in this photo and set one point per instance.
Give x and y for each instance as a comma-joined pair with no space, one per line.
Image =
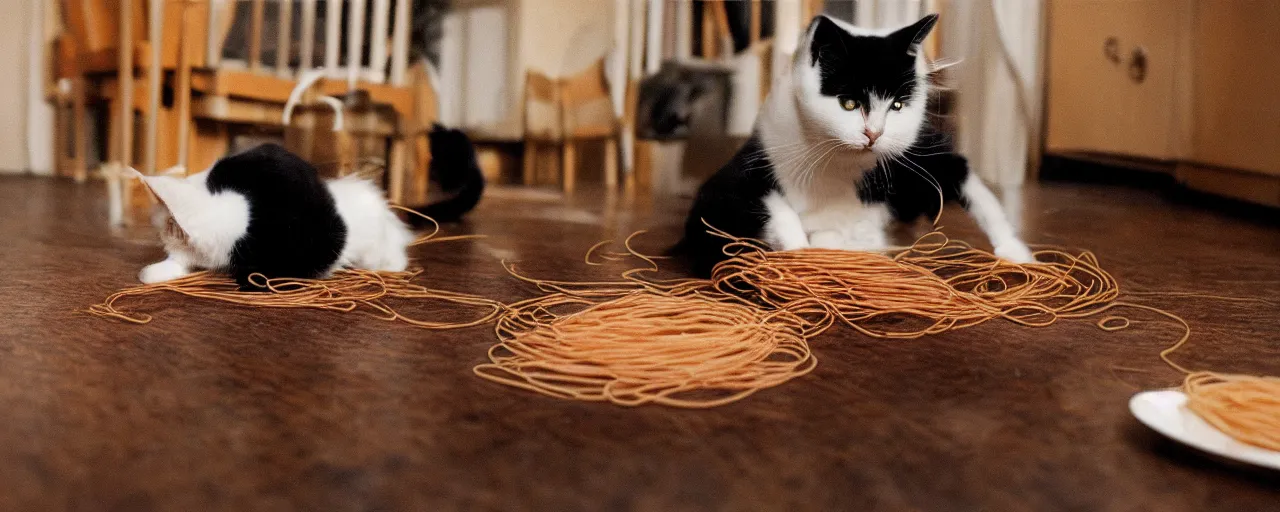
934,286
346,290
684,350
1244,407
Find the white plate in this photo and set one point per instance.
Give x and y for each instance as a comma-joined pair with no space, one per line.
1166,412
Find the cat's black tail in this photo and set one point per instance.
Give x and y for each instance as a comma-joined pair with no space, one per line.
451,209
455,171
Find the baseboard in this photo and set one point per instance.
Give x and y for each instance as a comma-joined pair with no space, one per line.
1256,188
1241,194
1095,168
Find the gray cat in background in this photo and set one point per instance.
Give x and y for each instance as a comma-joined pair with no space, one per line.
683,98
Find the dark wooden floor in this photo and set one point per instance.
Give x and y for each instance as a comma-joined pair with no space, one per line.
222,407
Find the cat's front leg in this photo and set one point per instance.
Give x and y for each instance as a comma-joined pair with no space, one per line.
783,231
851,227
1015,251
986,210
169,269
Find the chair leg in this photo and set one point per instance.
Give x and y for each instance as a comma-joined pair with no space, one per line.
641,176
63,162
346,152
611,163
570,164
529,174
111,167
422,169
115,193
550,163
395,182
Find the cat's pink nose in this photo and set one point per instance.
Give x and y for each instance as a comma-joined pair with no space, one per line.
871,136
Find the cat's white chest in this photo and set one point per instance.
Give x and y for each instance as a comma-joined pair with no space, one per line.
834,217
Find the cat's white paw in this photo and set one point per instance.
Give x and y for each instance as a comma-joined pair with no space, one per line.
1015,251
827,240
790,247
166,270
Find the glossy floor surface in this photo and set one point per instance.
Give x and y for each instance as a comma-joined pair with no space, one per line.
222,407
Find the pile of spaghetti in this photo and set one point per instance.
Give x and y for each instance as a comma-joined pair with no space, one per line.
935,285
702,343
1244,407
679,349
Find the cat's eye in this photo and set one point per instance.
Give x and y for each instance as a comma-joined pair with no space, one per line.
850,104
897,105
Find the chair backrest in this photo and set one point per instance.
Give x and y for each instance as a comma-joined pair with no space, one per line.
92,29
587,105
95,24
542,107
364,40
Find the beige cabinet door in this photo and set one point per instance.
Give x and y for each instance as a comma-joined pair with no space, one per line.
1111,77
1236,65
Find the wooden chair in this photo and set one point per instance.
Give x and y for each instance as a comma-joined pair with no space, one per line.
542,125
67,91
211,95
563,113
587,114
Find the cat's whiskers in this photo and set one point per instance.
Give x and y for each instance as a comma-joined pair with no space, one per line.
803,154
920,171
789,152
805,172
824,160
925,155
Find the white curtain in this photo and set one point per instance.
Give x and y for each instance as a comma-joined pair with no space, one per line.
998,84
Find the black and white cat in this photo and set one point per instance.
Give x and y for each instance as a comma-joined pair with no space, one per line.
840,148
267,211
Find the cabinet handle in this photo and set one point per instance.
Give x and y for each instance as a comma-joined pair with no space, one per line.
1111,49
1138,65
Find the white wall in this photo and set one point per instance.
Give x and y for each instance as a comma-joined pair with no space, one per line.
477,68
489,44
40,113
16,21
561,37
487,98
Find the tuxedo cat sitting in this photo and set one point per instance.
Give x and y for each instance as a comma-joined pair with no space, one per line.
840,148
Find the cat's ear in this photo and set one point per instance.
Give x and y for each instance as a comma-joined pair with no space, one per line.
913,35
131,173
825,37
183,198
